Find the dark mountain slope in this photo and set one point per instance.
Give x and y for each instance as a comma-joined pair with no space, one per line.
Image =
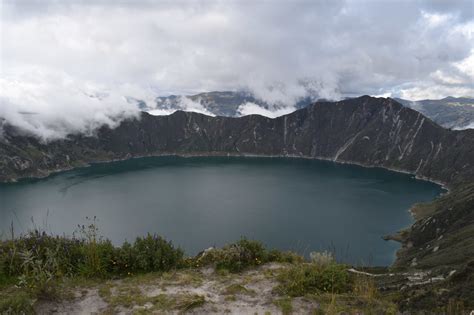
449,112
368,131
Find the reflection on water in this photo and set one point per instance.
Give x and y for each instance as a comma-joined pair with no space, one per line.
295,204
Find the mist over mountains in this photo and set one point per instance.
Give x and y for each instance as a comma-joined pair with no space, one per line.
90,110
364,130
449,112
70,66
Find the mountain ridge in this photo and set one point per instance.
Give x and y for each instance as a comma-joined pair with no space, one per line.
449,112
377,132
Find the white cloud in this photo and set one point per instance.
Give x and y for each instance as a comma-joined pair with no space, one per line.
52,105
466,66
184,103
435,19
427,91
470,126
280,51
254,109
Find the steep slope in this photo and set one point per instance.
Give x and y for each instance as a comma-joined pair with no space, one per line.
440,247
368,131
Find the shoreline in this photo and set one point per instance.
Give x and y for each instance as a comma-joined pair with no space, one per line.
393,237
48,173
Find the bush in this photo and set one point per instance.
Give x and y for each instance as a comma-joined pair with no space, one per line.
39,258
284,257
305,279
241,255
93,265
234,257
67,253
153,253
39,273
16,303
322,259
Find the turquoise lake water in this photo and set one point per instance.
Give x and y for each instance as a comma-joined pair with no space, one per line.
289,204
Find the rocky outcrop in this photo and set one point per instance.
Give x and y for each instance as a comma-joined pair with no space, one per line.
368,131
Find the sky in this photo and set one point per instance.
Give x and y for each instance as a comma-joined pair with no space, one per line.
69,66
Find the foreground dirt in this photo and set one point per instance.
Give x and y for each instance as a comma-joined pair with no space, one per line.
206,291
201,291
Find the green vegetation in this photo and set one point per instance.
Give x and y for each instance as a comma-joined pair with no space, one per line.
322,275
310,278
285,305
38,267
235,288
40,259
35,266
241,255
131,296
15,302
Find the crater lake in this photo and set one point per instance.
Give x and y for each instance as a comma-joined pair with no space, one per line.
286,203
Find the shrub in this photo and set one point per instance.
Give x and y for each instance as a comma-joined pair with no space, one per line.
153,253
92,266
39,272
364,287
240,255
89,256
284,257
305,279
234,257
16,303
67,252
322,259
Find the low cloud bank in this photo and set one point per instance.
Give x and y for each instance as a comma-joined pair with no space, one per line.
470,126
182,103
70,66
254,109
52,106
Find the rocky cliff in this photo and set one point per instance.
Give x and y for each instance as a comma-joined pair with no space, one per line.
368,131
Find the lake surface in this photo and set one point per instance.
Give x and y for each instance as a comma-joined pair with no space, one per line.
290,204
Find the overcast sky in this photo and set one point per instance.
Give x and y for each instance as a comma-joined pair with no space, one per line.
56,54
